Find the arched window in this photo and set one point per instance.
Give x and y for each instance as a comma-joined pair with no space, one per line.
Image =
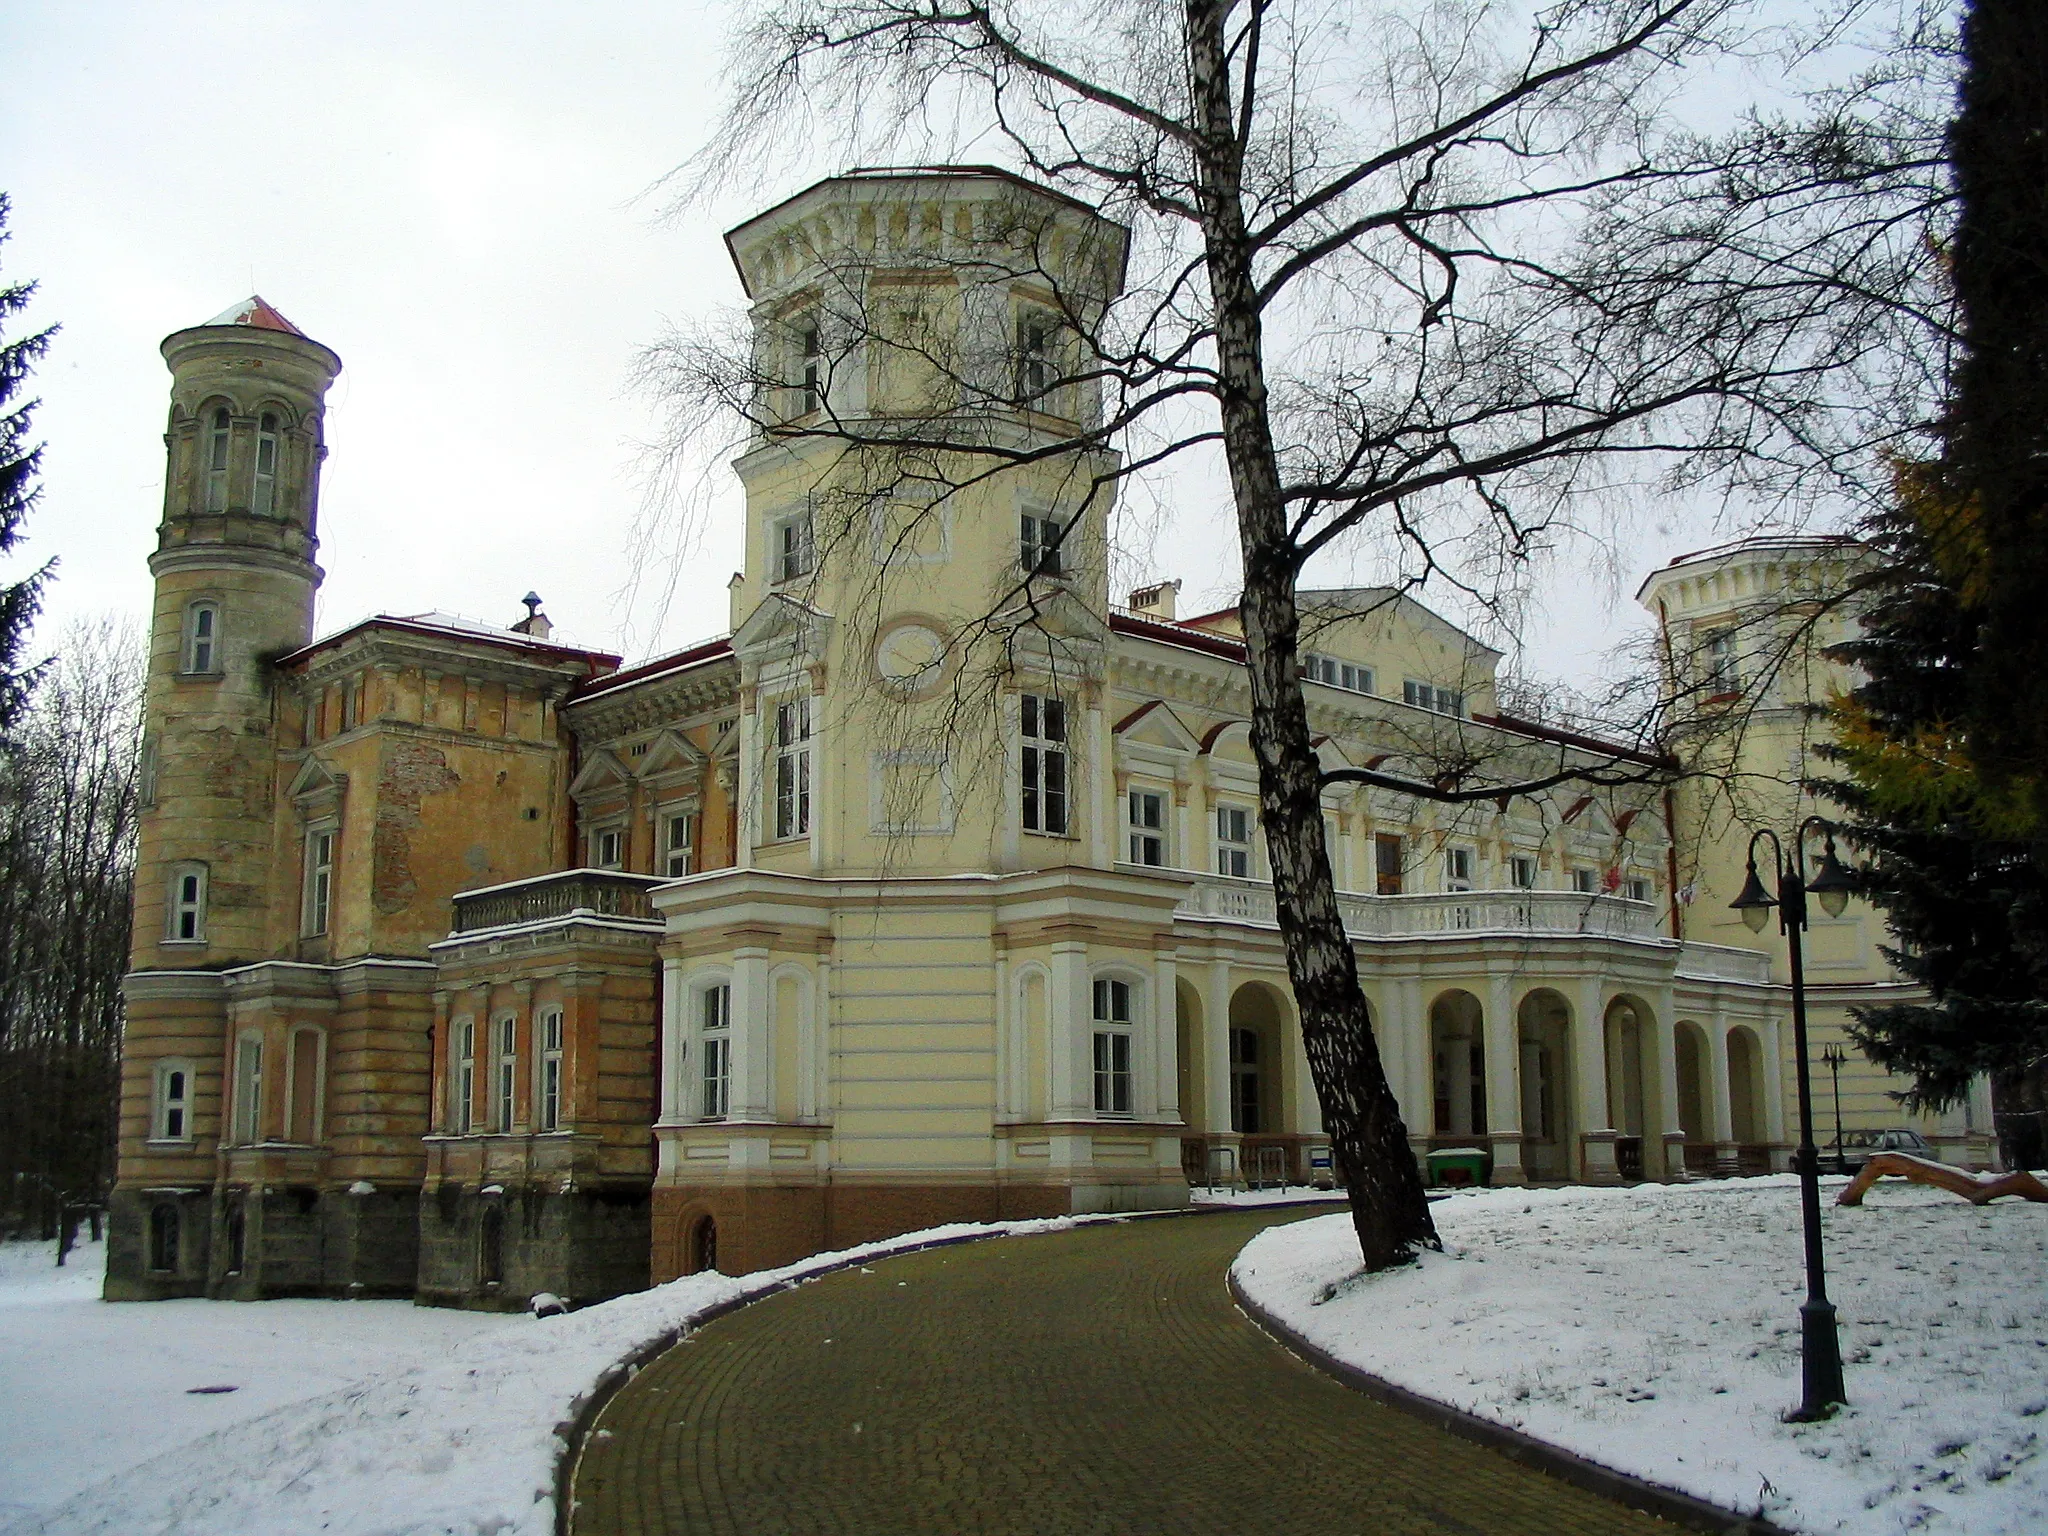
263,489
185,911
217,462
703,1246
163,1239
202,638
171,1103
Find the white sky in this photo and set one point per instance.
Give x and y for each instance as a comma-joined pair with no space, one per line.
449,195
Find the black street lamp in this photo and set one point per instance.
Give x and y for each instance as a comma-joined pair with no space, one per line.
1835,1058
1820,1346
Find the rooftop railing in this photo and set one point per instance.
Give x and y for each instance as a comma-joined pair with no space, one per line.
1446,912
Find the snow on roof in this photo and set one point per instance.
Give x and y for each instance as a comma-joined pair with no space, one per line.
256,311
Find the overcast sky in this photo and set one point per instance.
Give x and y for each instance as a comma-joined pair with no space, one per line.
450,196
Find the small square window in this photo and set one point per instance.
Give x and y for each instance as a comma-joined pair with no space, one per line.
1522,870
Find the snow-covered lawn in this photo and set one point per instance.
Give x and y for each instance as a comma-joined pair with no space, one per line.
1656,1330
354,1418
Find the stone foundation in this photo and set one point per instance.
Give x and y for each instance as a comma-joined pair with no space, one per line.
496,1251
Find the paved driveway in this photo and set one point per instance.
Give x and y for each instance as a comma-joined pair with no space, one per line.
1098,1380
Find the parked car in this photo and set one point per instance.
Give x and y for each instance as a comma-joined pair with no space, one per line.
1857,1147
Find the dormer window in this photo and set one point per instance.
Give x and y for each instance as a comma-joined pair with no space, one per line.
217,462
202,638
263,490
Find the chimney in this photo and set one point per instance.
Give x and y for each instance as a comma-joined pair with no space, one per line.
1156,601
535,625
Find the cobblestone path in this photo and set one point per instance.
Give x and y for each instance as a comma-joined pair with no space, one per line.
1097,1381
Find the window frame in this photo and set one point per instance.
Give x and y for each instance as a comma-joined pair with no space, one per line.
1042,544
1585,880
1389,878
550,1029
790,782
262,479
615,830
178,906
316,903
162,1104
219,448
1459,857
1147,837
1045,768
505,1079
1234,848
1517,865
1334,672
1114,1007
792,548
463,1040
672,850
1721,669
1037,373
195,647
248,1089
810,355
1438,700
713,1029
316,1093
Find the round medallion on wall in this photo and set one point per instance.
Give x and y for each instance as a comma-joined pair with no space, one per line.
911,657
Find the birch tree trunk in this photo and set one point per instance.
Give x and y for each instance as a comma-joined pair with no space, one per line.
1367,1137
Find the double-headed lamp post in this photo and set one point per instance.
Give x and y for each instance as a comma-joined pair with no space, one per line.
1820,1347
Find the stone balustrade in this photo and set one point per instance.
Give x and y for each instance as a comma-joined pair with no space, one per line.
605,893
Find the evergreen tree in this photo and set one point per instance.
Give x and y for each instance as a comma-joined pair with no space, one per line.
1966,901
19,459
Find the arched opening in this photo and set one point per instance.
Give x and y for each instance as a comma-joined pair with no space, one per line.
163,1239
1746,1099
1693,1103
702,1249
1627,1024
490,1263
1543,1040
1457,1054
1259,1107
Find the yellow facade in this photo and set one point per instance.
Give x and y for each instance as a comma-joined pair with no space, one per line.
932,891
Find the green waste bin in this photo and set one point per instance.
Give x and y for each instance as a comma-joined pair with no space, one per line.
1456,1166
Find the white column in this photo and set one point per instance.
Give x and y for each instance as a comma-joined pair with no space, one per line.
1503,1082
824,1095
1102,815
1183,830
1005,1026
822,783
1777,1043
1308,1109
1589,1080
1216,1048
752,1089
1721,1110
1166,1035
1665,1026
1012,813
1067,1010
1416,1092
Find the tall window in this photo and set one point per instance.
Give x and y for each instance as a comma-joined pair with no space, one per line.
1148,827
811,356
217,462
1039,544
1457,869
263,489
678,831
248,1089
508,1071
1112,1047
551,1070
1333,673
1233,841
608,848
305,1087
185,917
202,637
715,1035
1244,1082
1522,870
793,547
793,768
1034,356
1387,861
319,880
1441,701
1045,764
163,1239
465,1076
1724,669
172,1120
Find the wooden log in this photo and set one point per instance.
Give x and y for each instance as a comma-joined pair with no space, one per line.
1958,1181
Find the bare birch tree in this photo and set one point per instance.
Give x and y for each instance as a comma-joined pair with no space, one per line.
1430,280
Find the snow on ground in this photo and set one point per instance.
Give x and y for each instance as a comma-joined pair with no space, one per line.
1656,1330
356,1418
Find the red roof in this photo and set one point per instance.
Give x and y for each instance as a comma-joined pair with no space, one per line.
256,311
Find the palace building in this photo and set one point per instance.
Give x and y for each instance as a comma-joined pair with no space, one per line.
469,964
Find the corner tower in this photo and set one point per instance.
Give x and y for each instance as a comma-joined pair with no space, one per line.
235,580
